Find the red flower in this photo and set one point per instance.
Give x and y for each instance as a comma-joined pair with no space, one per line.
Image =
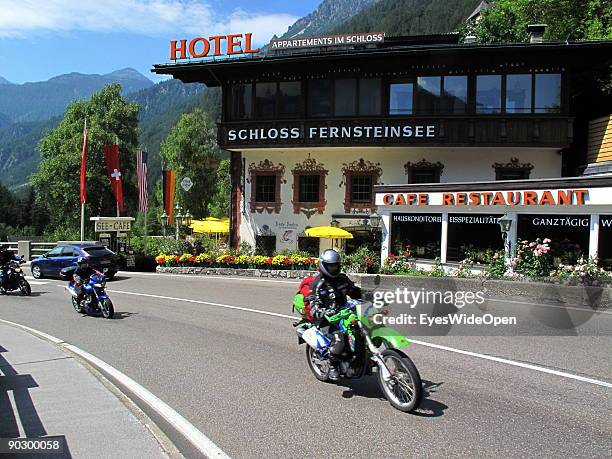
191,259
268,261
287,261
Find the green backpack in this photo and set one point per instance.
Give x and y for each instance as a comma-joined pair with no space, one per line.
298,304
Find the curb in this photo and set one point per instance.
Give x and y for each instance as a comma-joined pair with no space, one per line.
189,437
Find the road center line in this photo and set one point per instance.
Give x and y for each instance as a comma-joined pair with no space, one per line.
422,343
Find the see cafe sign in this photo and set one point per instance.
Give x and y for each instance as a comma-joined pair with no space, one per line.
217,45
112,225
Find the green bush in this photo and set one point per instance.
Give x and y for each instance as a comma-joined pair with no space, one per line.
362,260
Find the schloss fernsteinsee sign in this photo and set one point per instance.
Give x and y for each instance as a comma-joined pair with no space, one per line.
378,132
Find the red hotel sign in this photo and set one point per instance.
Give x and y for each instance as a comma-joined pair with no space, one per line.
219,45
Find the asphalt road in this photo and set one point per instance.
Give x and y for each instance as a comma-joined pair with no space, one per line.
240,377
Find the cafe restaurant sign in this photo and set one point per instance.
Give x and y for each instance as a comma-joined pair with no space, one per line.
217,45
557,197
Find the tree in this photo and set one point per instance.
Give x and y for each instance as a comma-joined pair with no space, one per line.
191,150
219,205
110,118
507,20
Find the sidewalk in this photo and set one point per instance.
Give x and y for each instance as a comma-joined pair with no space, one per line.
46,392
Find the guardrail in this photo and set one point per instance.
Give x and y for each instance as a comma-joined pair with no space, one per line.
29,250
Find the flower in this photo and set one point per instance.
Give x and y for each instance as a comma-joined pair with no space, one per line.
546,241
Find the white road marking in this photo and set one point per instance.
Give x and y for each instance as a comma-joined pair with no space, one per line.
188,430
422,343
182,425
186,300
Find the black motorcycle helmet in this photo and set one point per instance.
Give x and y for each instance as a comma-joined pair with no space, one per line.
330,263
83,262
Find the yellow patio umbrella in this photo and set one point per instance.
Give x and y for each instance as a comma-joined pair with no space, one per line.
210,225
328,232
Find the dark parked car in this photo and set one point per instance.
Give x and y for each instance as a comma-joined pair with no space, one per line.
66,255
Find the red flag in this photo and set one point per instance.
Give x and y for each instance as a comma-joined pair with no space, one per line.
111,154
83,166
168,187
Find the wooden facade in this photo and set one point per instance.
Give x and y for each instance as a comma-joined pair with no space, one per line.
600,140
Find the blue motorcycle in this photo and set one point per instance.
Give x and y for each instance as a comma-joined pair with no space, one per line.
95,299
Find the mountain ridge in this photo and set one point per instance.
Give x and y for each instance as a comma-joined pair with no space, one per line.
42,100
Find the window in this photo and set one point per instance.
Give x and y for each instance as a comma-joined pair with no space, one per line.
423,171
416,235
309,188
290,98
345,97
512,170
547,93
320,97
488,93
518,94
265,245
400,98
56,252
265,100
361,188
242,101
67,252
473,236
360,177
309,245
369,96
428,94
455,94
265,188
265,178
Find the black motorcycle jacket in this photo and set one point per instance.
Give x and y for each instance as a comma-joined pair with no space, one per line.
332,292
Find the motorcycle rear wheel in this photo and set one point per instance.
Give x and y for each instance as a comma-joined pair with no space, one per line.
24,286
319,369
106,306
405,390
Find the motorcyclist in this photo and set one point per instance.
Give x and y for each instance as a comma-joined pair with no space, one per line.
81,276
6,256
326,293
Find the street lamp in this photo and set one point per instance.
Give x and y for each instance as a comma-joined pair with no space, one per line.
180,219
335,223
505,224
164,220
375,220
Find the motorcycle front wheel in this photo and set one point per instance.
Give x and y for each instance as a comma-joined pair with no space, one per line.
318,366
25,288
404,390
77,307
106,306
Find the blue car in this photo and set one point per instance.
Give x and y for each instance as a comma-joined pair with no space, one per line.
66,255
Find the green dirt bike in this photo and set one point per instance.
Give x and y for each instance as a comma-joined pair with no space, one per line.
366,346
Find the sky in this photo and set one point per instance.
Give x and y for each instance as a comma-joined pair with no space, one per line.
40,39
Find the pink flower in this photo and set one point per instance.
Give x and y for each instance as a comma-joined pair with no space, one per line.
537,253
546,241
532,244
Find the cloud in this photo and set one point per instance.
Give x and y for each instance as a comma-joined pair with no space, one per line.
26,18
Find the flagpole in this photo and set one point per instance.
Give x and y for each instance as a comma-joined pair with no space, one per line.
117,141
145,233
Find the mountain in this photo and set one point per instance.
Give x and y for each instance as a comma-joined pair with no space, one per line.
329,14
409,17
46,99
4,81
161,106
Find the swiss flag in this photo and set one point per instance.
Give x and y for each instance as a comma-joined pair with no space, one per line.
111,155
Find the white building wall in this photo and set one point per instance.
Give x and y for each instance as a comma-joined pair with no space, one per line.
460,165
